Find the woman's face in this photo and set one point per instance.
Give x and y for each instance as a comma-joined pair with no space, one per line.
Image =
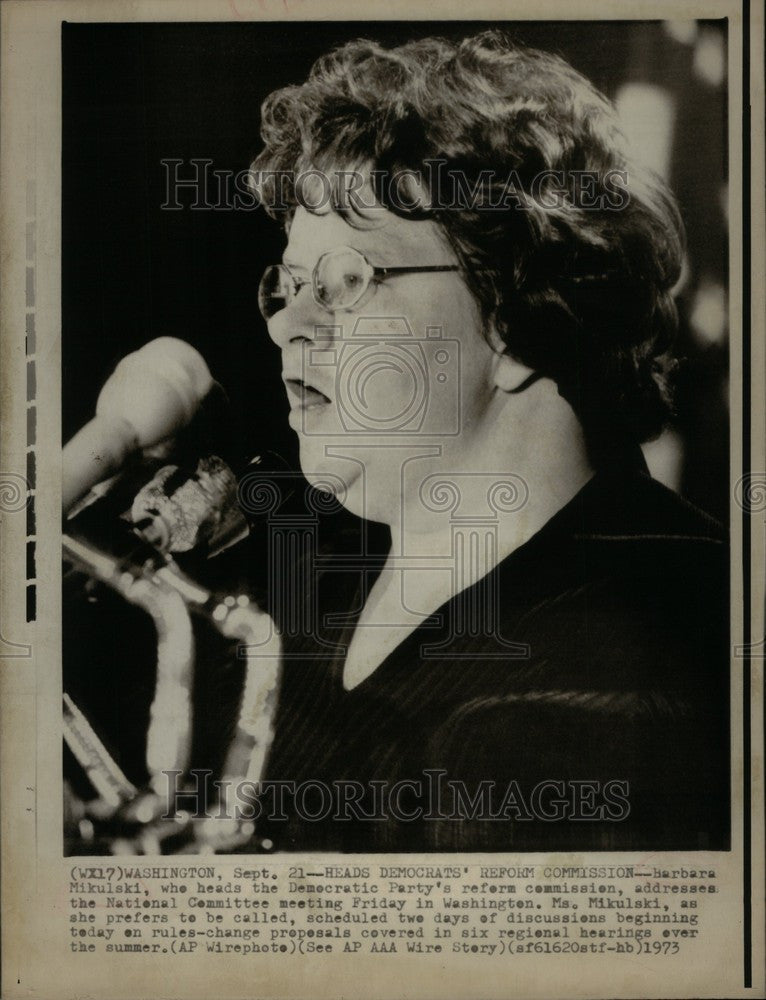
395,388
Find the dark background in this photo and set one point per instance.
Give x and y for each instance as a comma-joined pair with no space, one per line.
137,94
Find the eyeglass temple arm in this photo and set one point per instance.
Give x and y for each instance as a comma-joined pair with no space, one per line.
381,272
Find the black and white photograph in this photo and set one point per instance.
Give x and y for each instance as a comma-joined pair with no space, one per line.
395,382
382,500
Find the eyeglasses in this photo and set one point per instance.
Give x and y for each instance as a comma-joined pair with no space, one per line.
339,280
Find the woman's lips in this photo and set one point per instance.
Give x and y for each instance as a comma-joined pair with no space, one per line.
303,396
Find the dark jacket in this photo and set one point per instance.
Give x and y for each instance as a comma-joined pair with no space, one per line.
591,713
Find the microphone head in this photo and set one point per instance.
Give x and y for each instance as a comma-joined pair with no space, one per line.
156,389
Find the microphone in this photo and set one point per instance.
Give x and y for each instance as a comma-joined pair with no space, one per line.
181,509
151,395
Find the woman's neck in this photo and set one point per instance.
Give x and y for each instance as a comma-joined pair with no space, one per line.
454,528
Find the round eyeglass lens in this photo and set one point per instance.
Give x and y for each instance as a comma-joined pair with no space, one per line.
341,278
275,290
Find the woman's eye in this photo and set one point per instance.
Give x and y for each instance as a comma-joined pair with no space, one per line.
352,280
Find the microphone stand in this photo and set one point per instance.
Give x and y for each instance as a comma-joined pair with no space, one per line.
168,596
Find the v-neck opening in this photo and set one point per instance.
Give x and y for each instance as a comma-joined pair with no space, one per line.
556,524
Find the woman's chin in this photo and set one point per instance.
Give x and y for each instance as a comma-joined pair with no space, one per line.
340,477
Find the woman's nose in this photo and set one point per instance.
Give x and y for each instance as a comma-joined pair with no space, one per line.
298,321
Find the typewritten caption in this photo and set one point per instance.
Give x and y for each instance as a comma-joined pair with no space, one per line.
488,911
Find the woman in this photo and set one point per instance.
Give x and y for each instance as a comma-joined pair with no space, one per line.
474,311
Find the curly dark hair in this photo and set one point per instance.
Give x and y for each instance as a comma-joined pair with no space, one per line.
580,293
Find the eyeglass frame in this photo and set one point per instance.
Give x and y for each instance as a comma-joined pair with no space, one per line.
372,272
